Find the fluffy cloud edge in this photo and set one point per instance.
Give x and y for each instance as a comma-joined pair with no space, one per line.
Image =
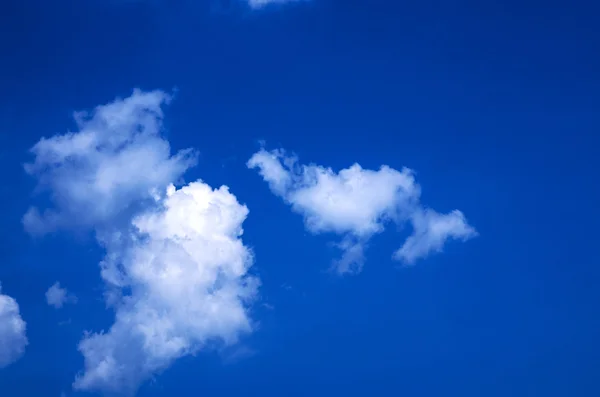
13,338
96,174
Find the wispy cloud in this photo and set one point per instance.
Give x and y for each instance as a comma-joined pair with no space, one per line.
257,4
57,297
116,160
357,203
176,269
12,331
236,354
431,230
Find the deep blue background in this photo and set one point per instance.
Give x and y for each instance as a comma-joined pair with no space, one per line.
496,105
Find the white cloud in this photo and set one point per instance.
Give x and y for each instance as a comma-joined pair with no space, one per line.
176,269
57,296
116,159
256,4
186,268
431,230
357,203
12,331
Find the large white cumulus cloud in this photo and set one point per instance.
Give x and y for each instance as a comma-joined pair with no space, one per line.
12,331
357,203
186,269
176,269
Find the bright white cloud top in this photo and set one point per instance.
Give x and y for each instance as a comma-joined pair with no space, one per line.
57,297
176,269
12,331
357,203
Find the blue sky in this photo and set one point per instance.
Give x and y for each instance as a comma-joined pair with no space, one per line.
409,201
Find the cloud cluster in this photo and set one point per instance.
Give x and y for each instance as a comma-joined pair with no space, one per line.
12,331
357,203
57,297
176,269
